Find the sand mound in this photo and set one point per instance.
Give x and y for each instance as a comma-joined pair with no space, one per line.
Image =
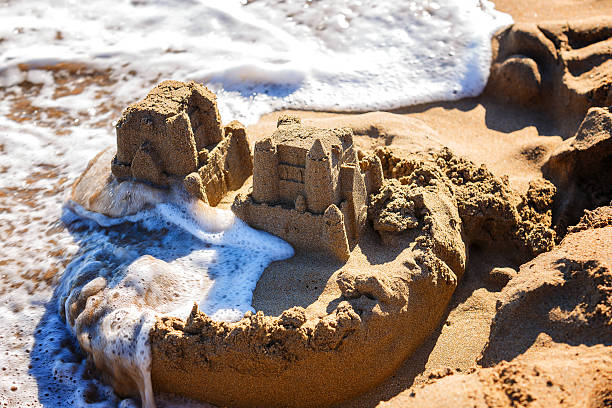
175,134
172,139
493,215
563,67
577,376
580,168
565,293
549,341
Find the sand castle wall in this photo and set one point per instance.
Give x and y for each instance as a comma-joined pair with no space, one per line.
304,230
227,166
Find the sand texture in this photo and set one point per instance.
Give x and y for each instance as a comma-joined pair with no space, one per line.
577,376
580,168
452,254
563,66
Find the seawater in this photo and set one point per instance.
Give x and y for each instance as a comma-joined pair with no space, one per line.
66,70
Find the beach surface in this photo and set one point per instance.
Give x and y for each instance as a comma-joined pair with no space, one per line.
509,328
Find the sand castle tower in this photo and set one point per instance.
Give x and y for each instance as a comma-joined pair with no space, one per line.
318,181
307,188
175,133
265,172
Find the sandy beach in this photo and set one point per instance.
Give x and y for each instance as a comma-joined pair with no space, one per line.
477,270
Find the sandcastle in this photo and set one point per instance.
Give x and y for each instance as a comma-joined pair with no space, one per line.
307,188
337,321
175,132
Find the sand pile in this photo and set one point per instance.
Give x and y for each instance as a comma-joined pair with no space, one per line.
327,351
577,376
492,214
559,305
407,221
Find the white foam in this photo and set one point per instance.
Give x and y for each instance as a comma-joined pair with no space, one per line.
268,54
157,262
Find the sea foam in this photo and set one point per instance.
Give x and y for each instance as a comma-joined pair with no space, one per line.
265,55
159,261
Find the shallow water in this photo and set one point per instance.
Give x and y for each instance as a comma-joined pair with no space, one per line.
67,69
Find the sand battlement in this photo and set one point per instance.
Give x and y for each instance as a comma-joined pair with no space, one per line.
307,188
176,132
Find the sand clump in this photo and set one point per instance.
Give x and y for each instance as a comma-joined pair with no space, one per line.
492,214
563,67
580,168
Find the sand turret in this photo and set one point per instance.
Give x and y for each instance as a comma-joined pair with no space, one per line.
318,181
334,233
355,199
265,172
